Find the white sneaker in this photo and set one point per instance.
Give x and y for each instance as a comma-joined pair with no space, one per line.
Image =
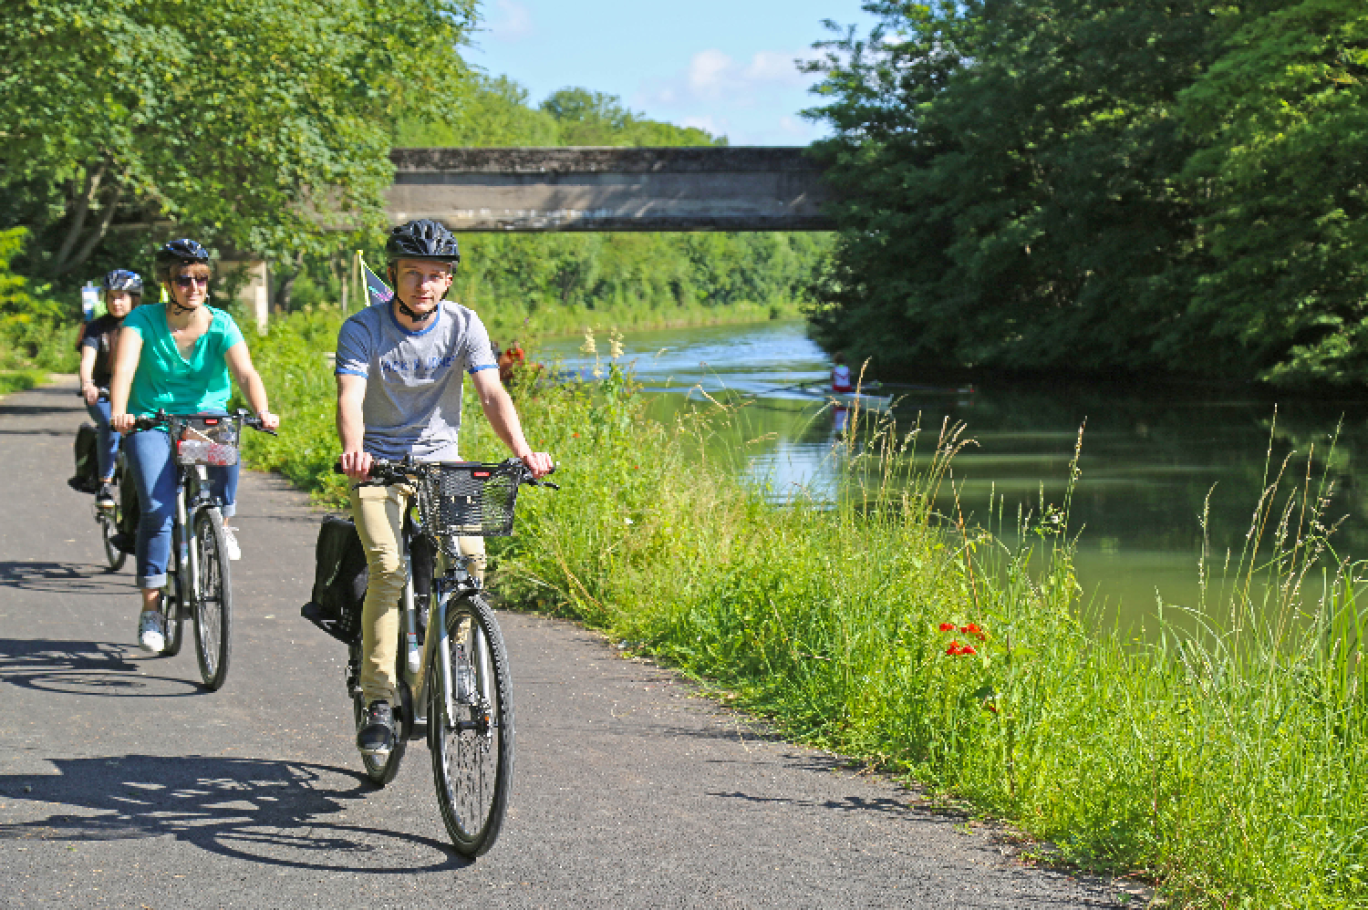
150,632
230,538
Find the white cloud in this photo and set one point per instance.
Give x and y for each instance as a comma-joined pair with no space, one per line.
510,21
712,74
751,102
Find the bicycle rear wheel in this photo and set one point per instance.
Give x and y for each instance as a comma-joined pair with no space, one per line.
173,615
109,526
213,612
472,751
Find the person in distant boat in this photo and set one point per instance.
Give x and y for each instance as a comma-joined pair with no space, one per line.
840,375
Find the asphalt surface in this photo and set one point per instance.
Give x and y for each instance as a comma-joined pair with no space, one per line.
124,784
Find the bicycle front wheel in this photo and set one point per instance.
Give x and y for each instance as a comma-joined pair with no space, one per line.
472,746
213,609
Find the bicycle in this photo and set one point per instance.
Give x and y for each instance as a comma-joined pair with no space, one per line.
109,517
460,677
198,583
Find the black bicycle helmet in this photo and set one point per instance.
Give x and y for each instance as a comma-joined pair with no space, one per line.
423,239
179,252
122,280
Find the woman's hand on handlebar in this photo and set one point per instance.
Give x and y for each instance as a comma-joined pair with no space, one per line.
269,422
121,423
539,463
356,465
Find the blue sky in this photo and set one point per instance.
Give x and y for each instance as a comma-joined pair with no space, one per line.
724,66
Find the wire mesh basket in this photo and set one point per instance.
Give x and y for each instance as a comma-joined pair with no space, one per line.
466,500
205,440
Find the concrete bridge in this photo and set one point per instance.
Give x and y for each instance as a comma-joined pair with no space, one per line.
610,189
759,188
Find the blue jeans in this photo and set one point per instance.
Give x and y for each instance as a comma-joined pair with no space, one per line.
154,474
108,445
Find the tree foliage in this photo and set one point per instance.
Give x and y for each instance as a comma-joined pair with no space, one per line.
257,124
1099,188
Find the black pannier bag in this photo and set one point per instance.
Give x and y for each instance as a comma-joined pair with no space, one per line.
87,476
340,578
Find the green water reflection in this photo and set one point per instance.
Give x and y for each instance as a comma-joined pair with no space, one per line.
1149,462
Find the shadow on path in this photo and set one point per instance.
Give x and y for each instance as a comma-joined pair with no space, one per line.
59,577
272,813
83,668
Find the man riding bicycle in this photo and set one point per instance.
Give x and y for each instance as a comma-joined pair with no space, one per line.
399,379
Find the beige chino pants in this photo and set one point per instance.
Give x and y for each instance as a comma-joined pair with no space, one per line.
379,515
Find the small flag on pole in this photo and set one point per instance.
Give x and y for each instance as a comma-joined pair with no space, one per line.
376,289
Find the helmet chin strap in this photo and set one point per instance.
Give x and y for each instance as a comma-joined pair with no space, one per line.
415,316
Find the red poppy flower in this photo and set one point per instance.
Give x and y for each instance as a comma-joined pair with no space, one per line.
954,649
968,649
990,706
947,627
576,435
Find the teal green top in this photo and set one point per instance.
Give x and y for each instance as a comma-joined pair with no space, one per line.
174,383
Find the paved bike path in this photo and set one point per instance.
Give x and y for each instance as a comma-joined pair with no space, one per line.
124,784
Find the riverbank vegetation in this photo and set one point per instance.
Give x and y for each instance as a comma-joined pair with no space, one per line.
1228,765
1102,189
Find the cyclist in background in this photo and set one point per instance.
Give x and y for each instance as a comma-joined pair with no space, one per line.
177,358
400,369
122,292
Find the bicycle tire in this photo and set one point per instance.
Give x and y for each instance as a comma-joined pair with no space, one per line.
381,771
472,753
109,526
173,617
213,610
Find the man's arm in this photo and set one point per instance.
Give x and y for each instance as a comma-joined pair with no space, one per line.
351,425
503,417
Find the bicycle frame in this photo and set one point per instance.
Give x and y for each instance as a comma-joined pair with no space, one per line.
452,579
192,497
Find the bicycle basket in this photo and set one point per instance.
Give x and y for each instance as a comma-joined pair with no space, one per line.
466,500
205,440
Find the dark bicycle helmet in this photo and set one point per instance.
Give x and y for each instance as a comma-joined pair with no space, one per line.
423,239
122,280
179,252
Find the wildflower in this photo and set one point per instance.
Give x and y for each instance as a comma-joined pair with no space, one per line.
954,649
967,650
576,435
947,627
589,347
974,630
989,706
615,344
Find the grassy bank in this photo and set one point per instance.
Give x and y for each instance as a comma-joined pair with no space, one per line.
1229,766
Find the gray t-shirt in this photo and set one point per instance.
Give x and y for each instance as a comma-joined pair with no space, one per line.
413,379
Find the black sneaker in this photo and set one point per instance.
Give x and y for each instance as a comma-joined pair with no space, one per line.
104,496
377,734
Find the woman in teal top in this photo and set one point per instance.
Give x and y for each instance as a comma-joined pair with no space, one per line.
176,357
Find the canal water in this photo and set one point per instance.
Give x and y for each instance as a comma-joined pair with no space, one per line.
1151,463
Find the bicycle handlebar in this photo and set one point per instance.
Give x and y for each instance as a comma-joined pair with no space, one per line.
161,418
385,471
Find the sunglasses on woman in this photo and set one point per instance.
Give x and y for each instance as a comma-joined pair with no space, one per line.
186,281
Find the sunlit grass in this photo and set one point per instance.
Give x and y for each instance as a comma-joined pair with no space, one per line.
1227,764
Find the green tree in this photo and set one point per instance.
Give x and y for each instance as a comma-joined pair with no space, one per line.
257,124
1282,119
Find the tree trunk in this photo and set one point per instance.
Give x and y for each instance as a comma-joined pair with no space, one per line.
78,218
94,239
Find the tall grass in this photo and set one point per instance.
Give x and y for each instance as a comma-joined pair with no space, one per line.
1227,764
